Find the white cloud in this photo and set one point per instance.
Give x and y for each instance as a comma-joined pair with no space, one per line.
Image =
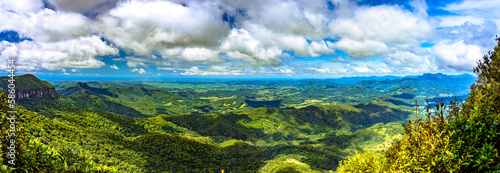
449,21
74,53
321,70
212,71
163,25
90,8
74,70
46,25
135,64
420,7
192,34
361,49
360,68
287,71
404,58
297,18
384,70
370,30
140,70
10,51
480,35
475,7
200,54
383,23
114,67
22,6
59,39
241,45
473,11
458,56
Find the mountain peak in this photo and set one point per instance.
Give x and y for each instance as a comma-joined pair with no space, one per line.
432,76
82,88
83,85
27,82
28,85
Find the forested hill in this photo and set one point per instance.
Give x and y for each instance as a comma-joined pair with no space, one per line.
84,89
264,126
27,82
311,138
459,84
28,86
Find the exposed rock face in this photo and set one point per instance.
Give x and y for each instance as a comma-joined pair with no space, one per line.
34,93
27,86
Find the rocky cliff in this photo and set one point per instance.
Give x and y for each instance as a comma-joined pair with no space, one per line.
27,86
34,93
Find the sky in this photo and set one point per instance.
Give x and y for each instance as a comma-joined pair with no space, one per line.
158,40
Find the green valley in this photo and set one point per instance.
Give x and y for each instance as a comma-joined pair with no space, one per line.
236,126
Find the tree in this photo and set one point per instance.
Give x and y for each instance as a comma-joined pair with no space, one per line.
464,139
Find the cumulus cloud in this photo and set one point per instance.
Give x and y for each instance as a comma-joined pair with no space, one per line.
74,53
258,36
420,7
46,25
459,56
89,8
298,44
383,23
114,67
360,68
241,45
298,18
22,6
211,71
193,54
140,70
404,58
373,27
58,40
156,28
135,64
361,49
475,34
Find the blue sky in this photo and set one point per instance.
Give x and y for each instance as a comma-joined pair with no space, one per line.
158,40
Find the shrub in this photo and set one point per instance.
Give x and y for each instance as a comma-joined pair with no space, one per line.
465,138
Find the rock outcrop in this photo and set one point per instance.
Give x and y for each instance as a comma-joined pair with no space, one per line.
35,93
28,86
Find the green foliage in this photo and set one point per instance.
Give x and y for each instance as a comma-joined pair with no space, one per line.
142,144
286,164
25,83
33,156
478,124
83,89
426,146
364,162
210,126
173,153
92,102
465,138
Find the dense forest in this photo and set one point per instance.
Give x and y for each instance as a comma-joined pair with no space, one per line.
257,126
461,137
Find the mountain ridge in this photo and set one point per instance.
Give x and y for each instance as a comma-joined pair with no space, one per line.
28,85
